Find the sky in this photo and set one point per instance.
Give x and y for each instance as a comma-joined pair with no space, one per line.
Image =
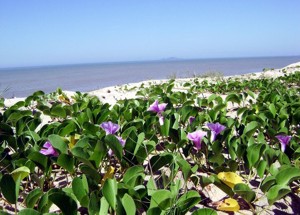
54,32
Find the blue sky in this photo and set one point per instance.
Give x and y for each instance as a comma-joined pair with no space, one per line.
35,32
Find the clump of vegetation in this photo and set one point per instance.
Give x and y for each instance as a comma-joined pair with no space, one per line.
267,69
1,96
210,74
156,154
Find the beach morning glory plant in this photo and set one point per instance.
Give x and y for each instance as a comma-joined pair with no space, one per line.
48,149
158,108
284,141
216,128
109,127
196,137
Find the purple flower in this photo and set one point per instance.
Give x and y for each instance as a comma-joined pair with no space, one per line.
284,141
109,127
216,128
196,137
48,150
191,119
158,108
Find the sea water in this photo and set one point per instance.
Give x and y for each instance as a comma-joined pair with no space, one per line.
24,81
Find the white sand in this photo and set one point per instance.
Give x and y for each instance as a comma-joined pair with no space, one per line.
112,94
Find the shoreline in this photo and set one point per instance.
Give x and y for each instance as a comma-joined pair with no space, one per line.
23,82
112,94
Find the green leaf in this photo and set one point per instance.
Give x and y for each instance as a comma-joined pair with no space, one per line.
67,128
110,191
272,109
154,211
267,183
277,192
165,128
187,201
104,206
99,152
250,129
94,203
261,167
204,181
217,158
185,167
29,211
161,199
205,211
254,153
115,145
33,197
44,203
80,189
58,111
90,171
245,192
40,159
287,175
58,143
8,188
284,159
176,123
65,203
91,128
128,204
234,98
21,172
83,143
66,161
139,142
132,175
151,186
158,161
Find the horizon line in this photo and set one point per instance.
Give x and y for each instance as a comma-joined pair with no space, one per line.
167,59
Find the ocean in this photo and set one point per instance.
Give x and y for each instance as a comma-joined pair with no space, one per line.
24,81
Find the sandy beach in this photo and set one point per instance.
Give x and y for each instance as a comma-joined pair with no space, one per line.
112,94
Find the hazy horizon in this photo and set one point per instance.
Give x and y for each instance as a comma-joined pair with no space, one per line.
170,59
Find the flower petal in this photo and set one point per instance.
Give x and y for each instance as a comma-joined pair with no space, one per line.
162,107
48,150
284,141
157,108
109,127
196,137
154,107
